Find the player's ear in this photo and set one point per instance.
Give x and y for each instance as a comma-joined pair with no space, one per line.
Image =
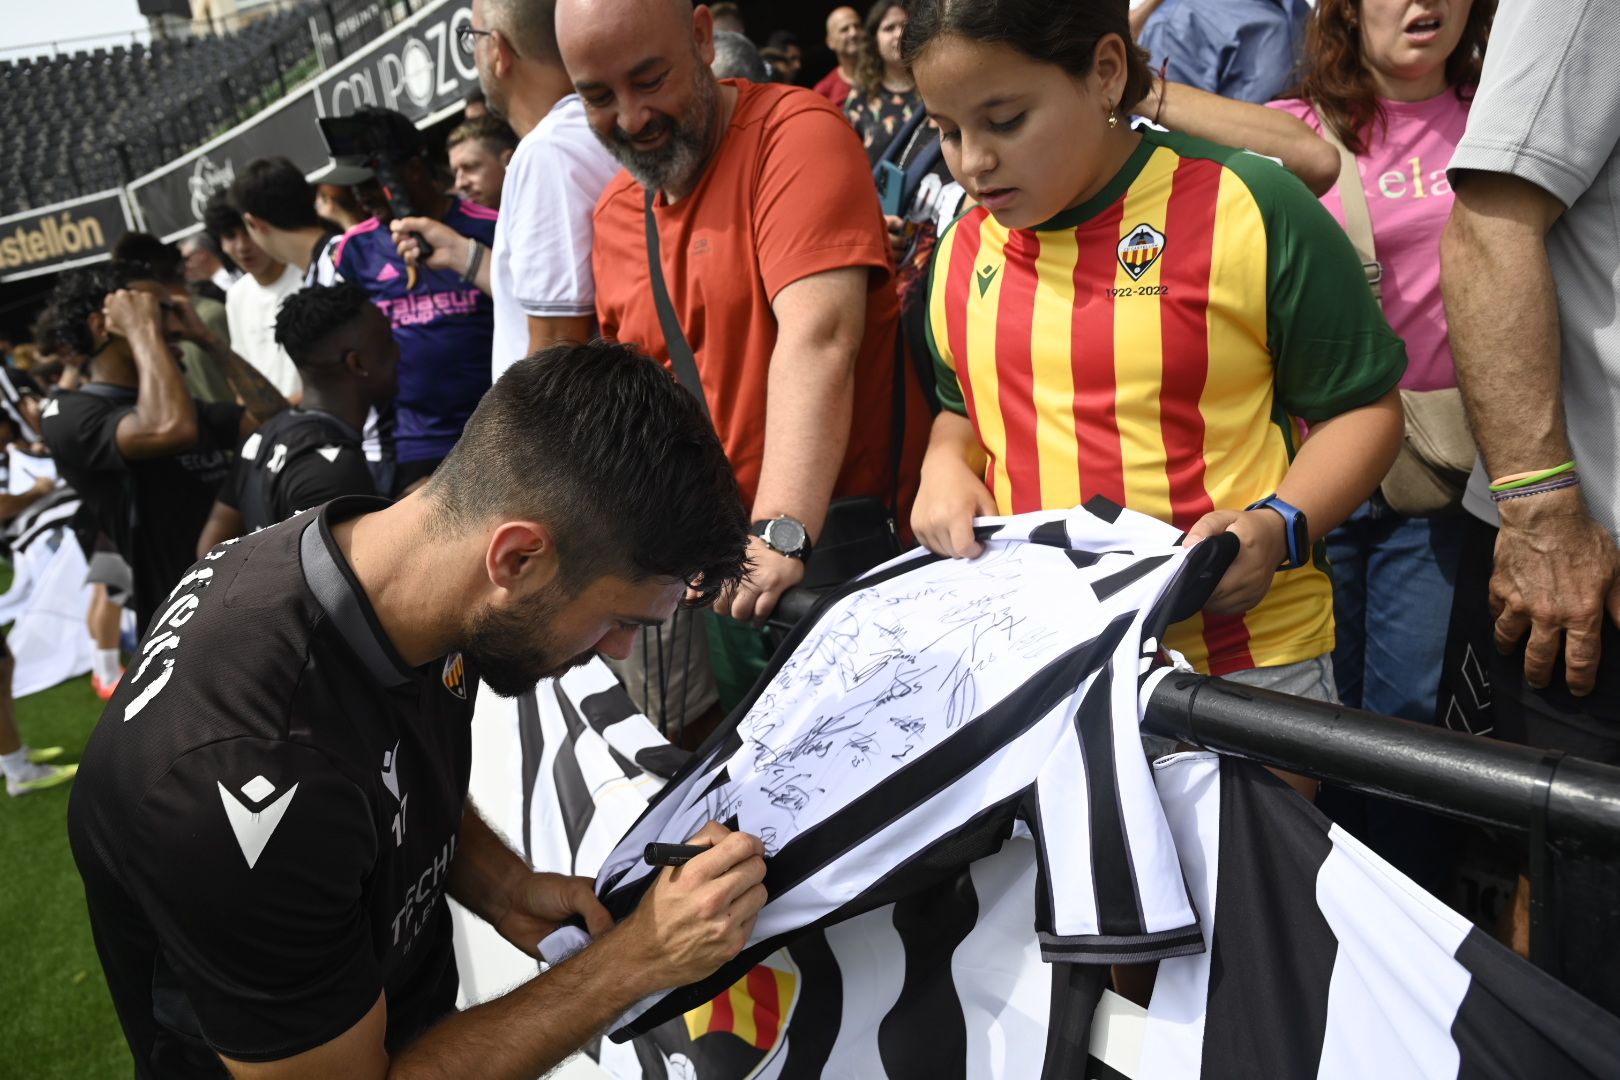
522,557
354,363
506,158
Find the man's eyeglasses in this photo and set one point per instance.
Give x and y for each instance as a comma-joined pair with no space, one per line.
467,37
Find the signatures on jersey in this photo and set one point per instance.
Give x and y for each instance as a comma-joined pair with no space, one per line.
890,688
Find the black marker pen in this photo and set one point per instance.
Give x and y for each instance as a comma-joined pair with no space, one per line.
673,854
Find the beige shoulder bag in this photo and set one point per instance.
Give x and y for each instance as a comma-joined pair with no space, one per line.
1437,454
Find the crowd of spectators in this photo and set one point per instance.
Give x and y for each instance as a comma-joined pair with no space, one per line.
1221,262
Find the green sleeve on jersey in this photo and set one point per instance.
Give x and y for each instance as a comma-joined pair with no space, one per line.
1332,347
947,387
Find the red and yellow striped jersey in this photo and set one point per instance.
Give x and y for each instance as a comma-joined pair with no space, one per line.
1159,345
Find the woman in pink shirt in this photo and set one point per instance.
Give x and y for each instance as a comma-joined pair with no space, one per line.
1394,79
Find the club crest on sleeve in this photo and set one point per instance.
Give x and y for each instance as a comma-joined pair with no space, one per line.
1140,250
455,675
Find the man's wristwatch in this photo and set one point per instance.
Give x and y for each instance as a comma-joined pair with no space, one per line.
1295,530
785,536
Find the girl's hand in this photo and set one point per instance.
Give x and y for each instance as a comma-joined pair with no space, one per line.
950,497
1264,546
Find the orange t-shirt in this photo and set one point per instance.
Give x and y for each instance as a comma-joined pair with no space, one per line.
788,194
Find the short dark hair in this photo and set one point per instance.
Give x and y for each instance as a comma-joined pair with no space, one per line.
164,261
274,191
1064,33
494,133
310,316
529,26
783,39
65,322
602,445
220,217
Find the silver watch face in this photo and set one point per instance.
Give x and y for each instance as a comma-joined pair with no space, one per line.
784,535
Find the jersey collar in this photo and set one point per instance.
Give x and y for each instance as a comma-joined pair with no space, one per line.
329,577
1112,191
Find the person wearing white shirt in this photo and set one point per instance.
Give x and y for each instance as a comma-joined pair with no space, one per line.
539,273
252,303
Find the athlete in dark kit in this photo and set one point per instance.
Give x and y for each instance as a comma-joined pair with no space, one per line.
273,808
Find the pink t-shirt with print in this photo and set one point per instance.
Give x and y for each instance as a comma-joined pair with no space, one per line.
1404,176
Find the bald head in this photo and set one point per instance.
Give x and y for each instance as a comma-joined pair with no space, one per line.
844,33
626,21
642,69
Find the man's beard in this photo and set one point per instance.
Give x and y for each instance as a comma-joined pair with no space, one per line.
512,651
676,165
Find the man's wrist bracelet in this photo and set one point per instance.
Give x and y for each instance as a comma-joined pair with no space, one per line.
1529,479
1557,483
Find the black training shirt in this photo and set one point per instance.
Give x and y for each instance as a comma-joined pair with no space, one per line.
267,812
300,458
153,509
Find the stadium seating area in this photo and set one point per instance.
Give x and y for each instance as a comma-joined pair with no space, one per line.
84,122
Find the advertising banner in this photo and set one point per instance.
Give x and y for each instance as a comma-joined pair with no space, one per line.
68,234
415,69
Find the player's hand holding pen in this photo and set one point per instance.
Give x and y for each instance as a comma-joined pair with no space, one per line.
699,914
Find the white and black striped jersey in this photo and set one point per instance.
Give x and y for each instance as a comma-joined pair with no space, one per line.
944,983
1327,962
932,709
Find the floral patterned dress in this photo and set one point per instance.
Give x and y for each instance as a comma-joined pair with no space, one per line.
878,116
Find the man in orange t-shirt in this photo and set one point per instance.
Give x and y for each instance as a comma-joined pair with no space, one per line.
776,259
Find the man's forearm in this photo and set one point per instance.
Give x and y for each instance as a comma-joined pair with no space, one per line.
809,406
162,400
259,395
1502,316
527,1032
485,868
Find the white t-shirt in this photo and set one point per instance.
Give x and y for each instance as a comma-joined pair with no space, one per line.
542,259
250,310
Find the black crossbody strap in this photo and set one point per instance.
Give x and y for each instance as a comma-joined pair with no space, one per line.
680,353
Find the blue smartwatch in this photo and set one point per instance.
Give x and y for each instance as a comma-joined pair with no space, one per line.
1295,530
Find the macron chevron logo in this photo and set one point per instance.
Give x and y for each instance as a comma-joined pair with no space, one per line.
389,273
253,828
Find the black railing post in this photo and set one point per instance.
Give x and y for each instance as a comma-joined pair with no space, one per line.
123,162
230,97
281,74
337,39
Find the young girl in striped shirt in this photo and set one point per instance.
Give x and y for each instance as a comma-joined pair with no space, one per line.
1148,317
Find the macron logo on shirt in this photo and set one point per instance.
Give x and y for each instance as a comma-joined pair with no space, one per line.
253,828
388,273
